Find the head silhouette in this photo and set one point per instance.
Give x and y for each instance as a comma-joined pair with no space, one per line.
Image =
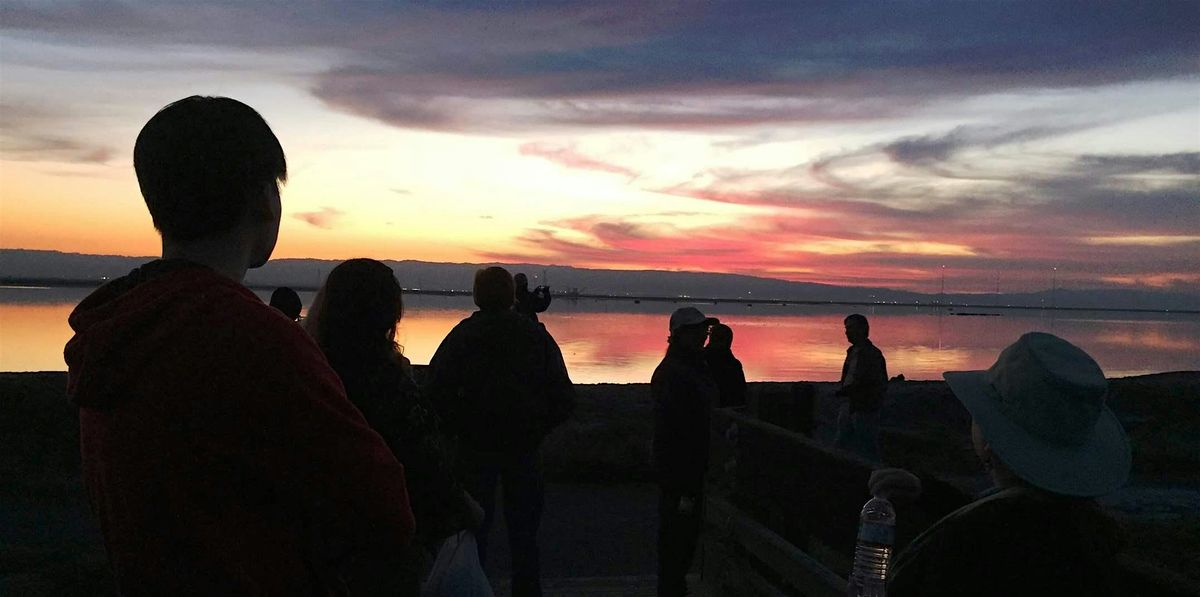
207,165
493,289
521,281
689,327
720,336
355,313
1040,418
857,328
287,301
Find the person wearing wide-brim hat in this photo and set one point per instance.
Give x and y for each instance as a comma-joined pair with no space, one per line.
684,395
1042,429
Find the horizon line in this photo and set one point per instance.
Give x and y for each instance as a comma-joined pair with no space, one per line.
24,282
1149,289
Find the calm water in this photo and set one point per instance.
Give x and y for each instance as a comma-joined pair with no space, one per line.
608,341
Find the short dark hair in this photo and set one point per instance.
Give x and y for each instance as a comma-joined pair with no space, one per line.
720,335
287,301
494,288
201,162
858,319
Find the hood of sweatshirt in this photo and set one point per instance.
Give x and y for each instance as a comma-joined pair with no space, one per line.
130,321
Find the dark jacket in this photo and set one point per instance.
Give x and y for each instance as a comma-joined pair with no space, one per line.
684,395
531,302
389,399
1017,541
499,383
727,371
864,377
220,453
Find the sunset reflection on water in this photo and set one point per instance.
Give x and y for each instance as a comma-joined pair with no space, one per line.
622,342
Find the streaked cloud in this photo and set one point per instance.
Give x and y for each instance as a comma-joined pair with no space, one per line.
479,66
568,157
325,218
853,247
1176,163
41,133
1144,241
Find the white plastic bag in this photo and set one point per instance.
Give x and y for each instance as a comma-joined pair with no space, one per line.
456,571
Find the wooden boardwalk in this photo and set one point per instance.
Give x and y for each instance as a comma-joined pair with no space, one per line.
603,586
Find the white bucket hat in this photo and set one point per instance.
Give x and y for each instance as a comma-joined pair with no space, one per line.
1041,408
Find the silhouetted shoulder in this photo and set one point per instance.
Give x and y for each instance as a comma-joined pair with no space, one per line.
1033,541
267,332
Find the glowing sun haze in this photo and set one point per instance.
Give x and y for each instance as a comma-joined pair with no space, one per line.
860,144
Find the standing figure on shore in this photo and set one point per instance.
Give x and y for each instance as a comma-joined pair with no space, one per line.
530,303
220,453
1041,428
684,396
725,368
500,384
287,302
863,385
353,319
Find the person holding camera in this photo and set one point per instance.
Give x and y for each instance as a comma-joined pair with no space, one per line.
530,303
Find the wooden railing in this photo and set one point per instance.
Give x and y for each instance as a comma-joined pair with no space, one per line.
782,511
743,557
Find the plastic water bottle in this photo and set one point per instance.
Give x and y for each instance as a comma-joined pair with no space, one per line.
873,553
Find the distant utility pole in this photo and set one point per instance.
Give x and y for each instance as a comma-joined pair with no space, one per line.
942,294
1054,288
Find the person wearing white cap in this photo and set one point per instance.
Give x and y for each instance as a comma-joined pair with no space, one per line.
1050,443
684,396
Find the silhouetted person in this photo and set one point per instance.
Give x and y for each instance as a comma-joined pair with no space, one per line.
220,453
1041,428
725,368
684,396
863,385
353,320
287,302
530,303
499,382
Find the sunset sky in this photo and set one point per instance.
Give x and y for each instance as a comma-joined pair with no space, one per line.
850,143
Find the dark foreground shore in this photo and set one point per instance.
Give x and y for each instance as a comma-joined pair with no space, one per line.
600,511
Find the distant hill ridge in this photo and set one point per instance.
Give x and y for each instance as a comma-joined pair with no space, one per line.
309,273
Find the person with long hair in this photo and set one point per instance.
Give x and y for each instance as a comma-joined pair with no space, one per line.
353,319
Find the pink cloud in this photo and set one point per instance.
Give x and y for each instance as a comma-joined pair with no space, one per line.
567,156
324,218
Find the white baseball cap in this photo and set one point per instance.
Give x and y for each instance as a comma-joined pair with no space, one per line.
685,316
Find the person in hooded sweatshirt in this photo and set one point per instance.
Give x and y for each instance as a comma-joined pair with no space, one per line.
500,385
220,453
